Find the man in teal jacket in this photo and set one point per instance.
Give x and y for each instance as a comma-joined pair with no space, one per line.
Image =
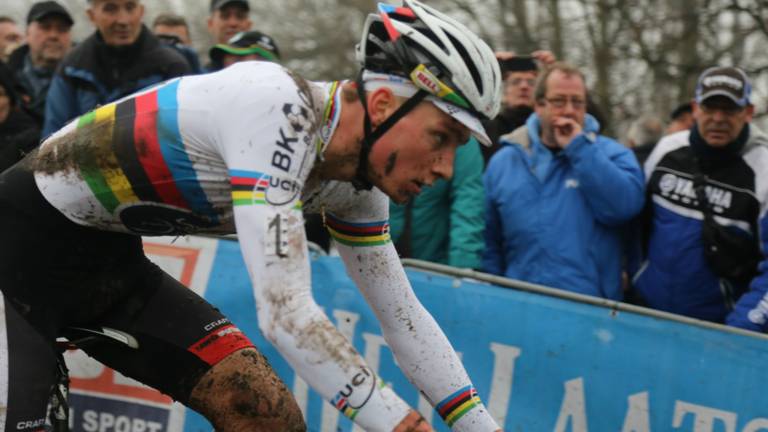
558,195
444,224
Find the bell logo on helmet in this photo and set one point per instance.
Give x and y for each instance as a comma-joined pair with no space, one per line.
425,80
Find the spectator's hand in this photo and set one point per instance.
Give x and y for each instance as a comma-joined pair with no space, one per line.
504,55
544,57
413,422
566,130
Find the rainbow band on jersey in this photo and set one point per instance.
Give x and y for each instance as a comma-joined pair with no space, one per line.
357,234
134,160
250,187
452,408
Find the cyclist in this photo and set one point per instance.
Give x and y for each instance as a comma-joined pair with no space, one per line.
243,150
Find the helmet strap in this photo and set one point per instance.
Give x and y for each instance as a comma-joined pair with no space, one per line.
370,136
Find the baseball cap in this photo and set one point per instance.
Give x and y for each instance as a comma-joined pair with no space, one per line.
404,87
727,81
43,9
218,4
244,43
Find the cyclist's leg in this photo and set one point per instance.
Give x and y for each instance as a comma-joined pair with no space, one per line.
27,372
61,274
27,354
190,351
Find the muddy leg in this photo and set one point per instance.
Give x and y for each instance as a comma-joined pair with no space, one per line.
242,392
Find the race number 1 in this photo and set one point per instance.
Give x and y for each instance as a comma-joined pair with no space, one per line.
277,236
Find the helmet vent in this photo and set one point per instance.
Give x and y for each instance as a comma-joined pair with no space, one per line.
467,61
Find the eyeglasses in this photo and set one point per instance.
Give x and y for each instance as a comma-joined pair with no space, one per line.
561,102
514,82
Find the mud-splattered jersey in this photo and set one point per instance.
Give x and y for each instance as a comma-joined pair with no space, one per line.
232,151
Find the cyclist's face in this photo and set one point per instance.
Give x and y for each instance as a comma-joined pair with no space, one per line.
416,151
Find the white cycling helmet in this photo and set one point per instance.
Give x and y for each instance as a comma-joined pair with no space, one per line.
446,63
439,54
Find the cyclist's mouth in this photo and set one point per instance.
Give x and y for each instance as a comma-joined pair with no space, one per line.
415,187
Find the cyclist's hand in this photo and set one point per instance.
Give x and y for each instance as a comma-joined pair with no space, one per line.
413,422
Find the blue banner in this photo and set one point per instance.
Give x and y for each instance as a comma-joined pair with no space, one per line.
539,362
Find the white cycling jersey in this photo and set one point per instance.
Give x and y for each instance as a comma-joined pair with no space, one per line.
233,152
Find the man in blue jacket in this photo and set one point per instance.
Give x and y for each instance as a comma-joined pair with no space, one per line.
119,58
705,252
558,195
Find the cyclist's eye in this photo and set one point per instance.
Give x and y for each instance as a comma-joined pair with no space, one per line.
440,139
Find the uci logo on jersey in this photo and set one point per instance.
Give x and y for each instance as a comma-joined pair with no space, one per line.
282,191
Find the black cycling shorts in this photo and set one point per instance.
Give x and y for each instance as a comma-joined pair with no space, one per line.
55,274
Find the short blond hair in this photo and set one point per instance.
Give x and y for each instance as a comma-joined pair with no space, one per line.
540,92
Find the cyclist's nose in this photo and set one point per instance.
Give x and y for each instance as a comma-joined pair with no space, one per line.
443,165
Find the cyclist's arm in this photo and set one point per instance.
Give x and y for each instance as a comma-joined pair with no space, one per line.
291,320
268,149
422,351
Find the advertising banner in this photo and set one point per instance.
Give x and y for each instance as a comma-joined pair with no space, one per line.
540,362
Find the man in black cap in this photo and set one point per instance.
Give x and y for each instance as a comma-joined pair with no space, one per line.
252,45
707,211
121,57
49,39
228,17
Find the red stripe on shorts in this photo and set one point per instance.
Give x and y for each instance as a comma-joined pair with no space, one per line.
220,343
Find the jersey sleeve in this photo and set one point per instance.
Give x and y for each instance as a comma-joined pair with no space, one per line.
269,156
358,224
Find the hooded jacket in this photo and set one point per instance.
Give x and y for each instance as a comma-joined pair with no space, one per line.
556,218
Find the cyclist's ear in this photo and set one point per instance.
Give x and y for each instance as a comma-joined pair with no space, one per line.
382,102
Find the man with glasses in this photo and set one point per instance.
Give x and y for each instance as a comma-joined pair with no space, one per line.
707,210
520,72
557,194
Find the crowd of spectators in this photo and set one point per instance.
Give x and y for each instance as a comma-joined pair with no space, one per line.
673,219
